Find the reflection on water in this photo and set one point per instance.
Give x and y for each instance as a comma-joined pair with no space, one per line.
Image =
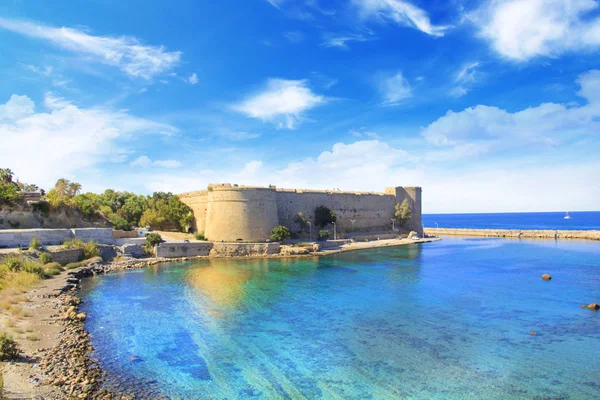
443,320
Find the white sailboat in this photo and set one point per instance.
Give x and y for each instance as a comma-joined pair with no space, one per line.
567,216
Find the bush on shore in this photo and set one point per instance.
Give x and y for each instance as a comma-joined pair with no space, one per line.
323,235
45,258
8,347
152,240
280,233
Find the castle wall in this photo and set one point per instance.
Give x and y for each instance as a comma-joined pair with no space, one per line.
198,202
235,213
413,194
371,211
230,213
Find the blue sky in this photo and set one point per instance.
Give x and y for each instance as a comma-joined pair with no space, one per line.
488,105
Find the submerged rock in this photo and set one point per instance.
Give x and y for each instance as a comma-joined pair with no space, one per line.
546,277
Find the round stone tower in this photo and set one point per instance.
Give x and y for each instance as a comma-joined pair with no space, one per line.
246,213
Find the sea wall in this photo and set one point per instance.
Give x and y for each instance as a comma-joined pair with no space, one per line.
204,249
515,233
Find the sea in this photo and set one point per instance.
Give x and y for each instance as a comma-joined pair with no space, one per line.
460,318
580,220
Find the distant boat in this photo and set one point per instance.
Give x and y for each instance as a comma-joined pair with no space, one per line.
567,216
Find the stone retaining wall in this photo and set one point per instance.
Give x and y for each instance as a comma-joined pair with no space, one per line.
176,250
515,233
244,249
119,234
66,256
22,237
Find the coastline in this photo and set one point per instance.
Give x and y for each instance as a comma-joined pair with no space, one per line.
515,233
60,365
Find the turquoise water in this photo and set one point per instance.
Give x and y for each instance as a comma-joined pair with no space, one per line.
450,319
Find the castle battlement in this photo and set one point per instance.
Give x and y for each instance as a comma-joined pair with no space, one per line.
232,212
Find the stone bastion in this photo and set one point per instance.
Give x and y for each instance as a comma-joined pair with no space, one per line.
226,212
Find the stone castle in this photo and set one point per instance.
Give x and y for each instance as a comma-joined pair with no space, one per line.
228,212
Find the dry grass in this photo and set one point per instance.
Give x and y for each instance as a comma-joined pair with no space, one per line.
32,337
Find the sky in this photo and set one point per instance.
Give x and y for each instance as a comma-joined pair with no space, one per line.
489,106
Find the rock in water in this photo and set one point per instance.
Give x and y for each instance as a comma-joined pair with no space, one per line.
546,277
593,306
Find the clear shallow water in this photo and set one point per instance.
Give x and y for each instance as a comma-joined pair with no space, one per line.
580,220
442,320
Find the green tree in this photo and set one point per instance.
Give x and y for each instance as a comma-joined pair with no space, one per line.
403,212
9,193
324,216
74,189
280,233
6,175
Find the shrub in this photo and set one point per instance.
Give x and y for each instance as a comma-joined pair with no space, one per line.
280,233
74,265
35,243
8,347
45,258
324,216
9,193
42,207
152,240
14,263
323,235
89,249
199,236
34,268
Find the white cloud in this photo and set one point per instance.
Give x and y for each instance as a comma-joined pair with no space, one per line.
46,70
362,133
141,161
55,102
524,29
341,41
17,107
466,76
239,135
282,102
393,88
458,91
124,52
294,36
548,124
167,163
145,161
193,79
400,12
275,3
42,147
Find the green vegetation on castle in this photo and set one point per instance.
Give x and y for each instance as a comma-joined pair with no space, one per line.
324,216
403,212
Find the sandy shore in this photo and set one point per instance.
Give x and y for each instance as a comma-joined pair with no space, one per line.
57,365
515,233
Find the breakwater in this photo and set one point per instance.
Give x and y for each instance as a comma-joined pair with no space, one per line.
515,233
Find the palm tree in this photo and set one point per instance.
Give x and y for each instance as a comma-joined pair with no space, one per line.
62,187
6,175
74,189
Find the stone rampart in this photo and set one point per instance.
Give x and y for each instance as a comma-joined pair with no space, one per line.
119,234
240,213
370,211
231,213
99,235
198,202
